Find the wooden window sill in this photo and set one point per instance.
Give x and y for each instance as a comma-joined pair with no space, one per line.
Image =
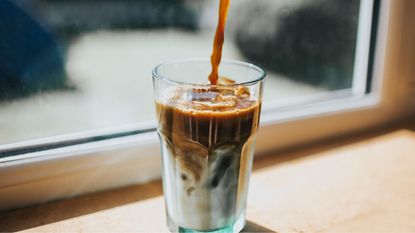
354,185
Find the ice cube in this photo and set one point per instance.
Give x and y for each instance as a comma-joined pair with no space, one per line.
221,160
202,95
216,105
225,81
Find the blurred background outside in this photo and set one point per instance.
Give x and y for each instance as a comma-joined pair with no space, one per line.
70,65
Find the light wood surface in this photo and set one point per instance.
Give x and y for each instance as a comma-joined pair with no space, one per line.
361,185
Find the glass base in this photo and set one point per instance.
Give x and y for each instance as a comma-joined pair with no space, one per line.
236,227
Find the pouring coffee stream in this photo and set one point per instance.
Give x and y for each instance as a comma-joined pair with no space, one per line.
218,41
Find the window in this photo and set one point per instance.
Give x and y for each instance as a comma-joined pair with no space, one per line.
76,87
93,71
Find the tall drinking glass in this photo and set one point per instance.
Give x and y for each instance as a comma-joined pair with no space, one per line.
207,136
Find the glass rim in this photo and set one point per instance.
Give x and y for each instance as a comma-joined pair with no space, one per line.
260,77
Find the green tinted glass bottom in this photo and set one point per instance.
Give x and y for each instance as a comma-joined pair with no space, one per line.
236,227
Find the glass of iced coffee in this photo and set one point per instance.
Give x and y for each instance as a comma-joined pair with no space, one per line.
207,134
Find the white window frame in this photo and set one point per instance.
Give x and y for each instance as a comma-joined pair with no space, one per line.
79,168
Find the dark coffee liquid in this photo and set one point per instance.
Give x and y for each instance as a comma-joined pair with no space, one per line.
218,41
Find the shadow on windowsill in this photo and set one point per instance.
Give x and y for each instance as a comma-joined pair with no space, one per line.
254,228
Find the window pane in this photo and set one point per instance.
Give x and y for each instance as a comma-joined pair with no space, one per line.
72,66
